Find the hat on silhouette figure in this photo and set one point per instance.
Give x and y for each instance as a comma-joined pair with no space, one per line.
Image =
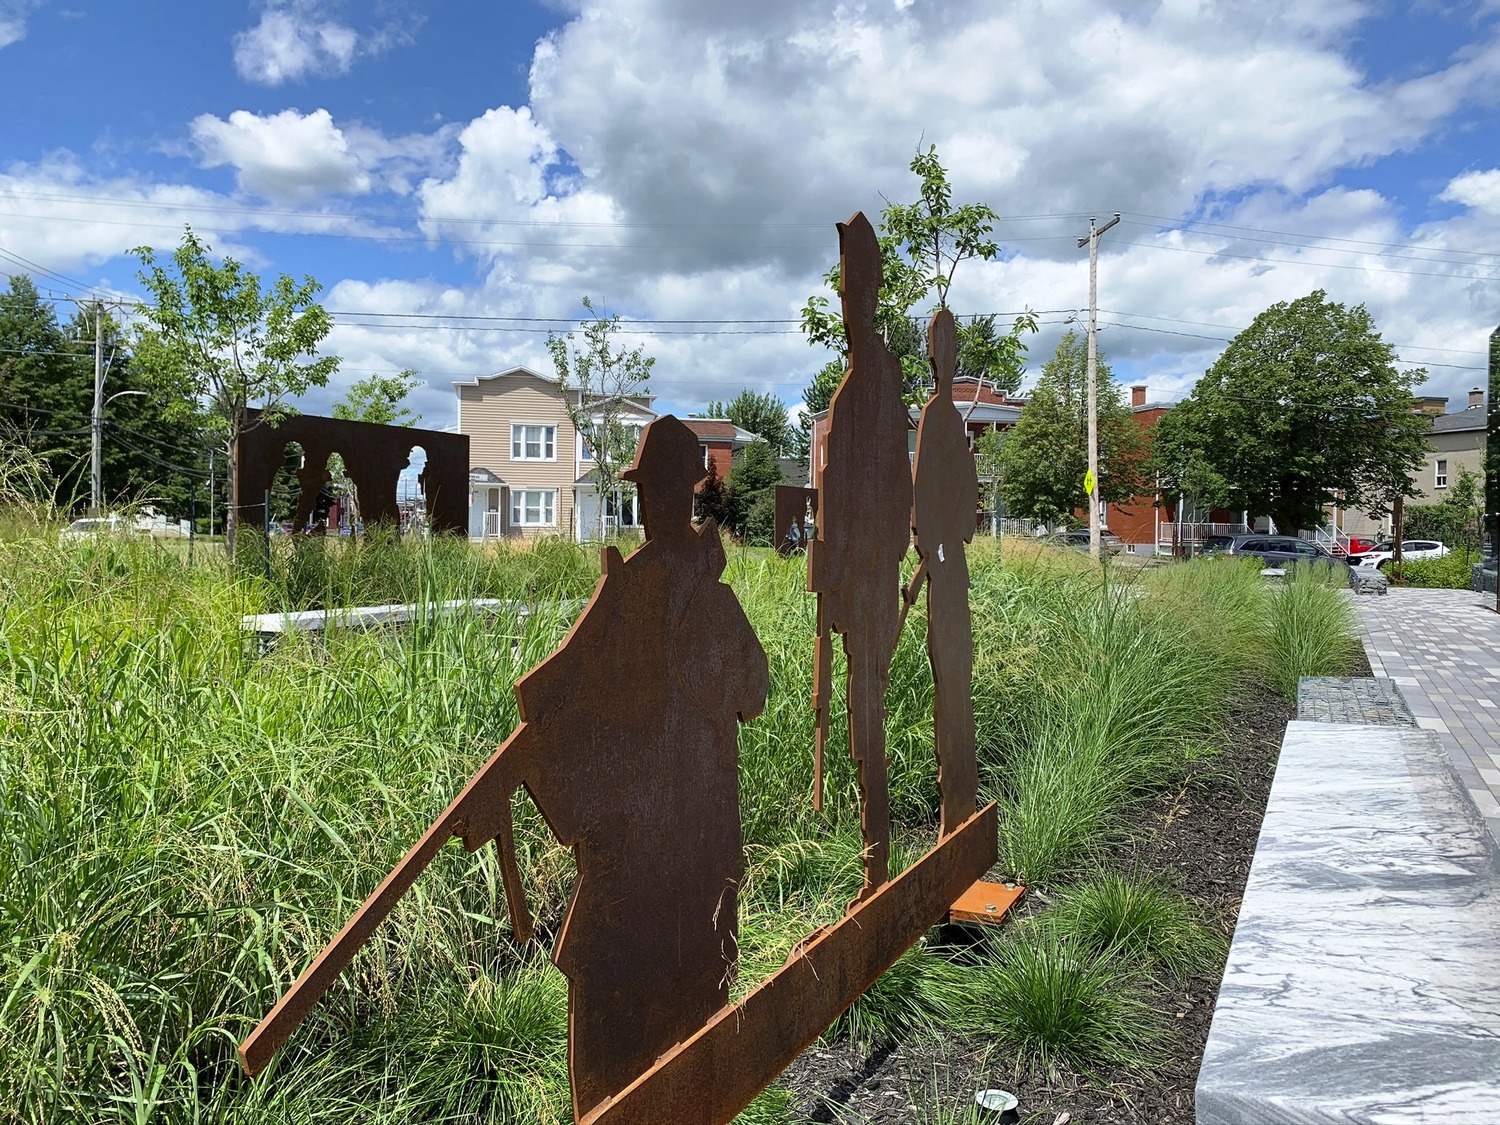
669,459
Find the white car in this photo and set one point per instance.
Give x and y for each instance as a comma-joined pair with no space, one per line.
93,526
1411,551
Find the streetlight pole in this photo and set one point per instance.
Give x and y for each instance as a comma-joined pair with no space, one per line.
1092,241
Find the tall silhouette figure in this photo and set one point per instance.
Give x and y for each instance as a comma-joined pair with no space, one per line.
942,521
864,516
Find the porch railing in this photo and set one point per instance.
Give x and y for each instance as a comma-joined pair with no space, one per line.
1194,534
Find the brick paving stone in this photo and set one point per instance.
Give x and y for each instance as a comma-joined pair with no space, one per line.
1440,650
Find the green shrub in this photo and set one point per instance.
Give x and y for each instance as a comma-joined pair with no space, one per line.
1141,920
1454,571
1051,1003
1312,630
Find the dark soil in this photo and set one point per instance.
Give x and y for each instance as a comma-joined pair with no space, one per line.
1200,838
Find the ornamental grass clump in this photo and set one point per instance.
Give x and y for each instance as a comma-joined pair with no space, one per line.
1312,630
1051,1003
1138,919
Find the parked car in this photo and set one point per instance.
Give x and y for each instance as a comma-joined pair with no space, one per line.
1283,551
1411,551
91,527
1079,540
1483,578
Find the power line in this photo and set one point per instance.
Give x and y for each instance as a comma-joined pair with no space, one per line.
1178,223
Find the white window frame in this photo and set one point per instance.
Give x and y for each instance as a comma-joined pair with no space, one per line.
546,441
546,507
705,454
1440,473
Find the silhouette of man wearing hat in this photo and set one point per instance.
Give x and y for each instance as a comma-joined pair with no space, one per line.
631,754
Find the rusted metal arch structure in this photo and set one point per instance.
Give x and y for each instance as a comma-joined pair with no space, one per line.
374,456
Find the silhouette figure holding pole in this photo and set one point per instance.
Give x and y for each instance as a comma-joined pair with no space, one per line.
629,747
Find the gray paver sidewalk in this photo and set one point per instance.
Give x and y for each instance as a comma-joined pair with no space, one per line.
1442,649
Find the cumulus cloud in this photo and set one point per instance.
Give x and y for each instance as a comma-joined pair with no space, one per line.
285,156
289,44
296,39
1479,190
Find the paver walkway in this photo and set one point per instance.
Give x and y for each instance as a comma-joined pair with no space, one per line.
1442,648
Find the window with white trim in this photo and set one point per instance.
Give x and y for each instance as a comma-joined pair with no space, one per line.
703,449
531,442
533,507
1440,474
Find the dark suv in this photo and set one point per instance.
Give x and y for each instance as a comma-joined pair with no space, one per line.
1284,550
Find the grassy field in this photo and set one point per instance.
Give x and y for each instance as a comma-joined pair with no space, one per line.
184,823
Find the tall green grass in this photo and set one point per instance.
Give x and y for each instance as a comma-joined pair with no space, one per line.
184,823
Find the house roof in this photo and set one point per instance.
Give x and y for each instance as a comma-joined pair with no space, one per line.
518,370
720,429
480,475
1473,419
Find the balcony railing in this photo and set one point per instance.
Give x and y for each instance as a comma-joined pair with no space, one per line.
1188,534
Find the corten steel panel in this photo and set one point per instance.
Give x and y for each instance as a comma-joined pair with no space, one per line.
945,497
864,531
628,746
374,457
987,903
792,504
714,1075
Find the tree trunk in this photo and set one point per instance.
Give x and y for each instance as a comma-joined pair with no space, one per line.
232,513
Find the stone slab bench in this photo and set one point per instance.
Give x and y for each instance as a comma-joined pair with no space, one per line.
1363,982
269,628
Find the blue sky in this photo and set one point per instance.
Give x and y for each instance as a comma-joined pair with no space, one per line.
684,161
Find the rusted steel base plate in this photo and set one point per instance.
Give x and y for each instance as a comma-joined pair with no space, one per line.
985,902
715,1074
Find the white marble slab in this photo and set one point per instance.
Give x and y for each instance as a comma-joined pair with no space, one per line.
1363,983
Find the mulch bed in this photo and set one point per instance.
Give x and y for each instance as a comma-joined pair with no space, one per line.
1202,839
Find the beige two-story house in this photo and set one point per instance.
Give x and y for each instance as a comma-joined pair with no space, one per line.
531,471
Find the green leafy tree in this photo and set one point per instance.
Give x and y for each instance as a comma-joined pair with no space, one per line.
150,455
1044,458
922,245
1457,521
597,379
988,461
712,501
753,482
763,415
213,335
1305,408
379,399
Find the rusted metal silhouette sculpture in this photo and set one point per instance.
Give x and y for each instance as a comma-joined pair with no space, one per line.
628,746
374,457
792,504
864,531
946,496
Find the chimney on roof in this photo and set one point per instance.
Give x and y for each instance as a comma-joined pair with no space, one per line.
1138,395
1476,399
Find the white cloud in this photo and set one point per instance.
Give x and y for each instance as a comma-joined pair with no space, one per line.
286,156
13,15
289,44
1478,190
296,39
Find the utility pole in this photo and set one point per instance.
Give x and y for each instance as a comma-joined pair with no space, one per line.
1092,241
96,475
